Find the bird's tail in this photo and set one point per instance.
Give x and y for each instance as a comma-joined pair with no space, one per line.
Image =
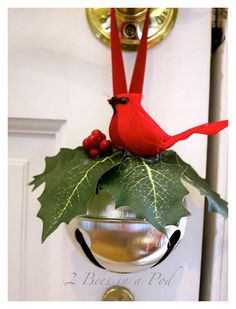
207,128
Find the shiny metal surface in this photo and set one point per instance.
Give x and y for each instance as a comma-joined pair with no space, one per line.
118,293
125,245
130,22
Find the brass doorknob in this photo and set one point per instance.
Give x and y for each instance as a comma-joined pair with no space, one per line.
118,293
130,22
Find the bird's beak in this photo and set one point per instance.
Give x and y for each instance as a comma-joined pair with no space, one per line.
113,101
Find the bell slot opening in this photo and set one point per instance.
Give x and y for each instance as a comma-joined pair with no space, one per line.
171,244
80,238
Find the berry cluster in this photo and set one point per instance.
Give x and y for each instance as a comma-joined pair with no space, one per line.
96,143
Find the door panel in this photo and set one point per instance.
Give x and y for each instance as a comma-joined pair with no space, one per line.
29,261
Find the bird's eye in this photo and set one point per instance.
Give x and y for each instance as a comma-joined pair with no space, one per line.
124,100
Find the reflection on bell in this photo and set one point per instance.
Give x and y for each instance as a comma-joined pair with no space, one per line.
124,244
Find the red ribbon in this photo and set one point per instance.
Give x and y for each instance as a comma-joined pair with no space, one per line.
118,71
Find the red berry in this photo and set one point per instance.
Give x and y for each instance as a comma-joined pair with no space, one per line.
105,145
103,136
93,152
86,144
93,141
97,133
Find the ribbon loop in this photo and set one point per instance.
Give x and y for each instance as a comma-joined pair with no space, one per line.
118,71
136,84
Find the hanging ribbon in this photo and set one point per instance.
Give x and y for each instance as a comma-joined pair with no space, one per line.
118,71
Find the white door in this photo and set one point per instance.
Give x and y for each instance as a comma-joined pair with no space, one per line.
59,80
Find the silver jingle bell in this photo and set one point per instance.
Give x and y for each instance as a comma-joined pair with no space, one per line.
122,243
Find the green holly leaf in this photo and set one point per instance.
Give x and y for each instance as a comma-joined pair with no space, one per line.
64,154
215,202
71,179
153,190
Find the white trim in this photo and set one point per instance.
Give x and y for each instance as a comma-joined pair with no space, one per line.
35,126
20,219
214,277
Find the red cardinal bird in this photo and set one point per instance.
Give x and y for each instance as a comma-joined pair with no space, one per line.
131,127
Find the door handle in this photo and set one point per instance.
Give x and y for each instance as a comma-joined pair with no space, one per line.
130,22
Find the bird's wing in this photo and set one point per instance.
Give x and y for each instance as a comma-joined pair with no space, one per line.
140,133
